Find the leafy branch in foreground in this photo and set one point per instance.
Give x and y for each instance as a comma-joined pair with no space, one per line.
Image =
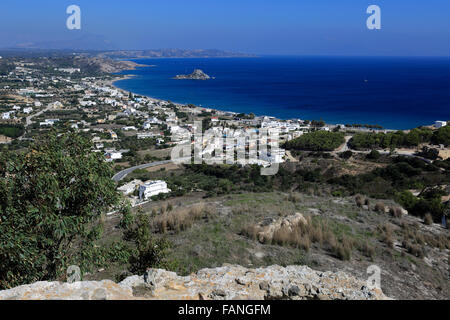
51,200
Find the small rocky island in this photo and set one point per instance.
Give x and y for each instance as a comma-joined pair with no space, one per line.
196,75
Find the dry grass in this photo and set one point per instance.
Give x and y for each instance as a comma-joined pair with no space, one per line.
428,219
412,234
395,212
343,249
293,197
387,235
359,200
303,235
367,249
180,219
414,249
380,207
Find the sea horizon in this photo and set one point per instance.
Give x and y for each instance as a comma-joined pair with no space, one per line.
394,92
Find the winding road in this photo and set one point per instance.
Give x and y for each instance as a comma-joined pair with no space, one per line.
122,174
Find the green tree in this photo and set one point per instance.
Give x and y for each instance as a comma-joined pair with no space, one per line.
51,201
442,136
317,141
150,252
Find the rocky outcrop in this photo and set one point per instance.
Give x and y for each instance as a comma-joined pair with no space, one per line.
223,283
196,75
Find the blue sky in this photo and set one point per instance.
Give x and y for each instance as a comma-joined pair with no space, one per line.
294,27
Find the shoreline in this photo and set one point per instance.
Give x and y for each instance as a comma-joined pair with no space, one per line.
112,82
180,104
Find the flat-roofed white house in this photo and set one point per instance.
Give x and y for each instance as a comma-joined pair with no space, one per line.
152,188
129,128
130,187
27,110
111,156
6,116
439,124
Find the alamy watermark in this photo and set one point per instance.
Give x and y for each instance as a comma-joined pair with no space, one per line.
74,20
374,280
374,21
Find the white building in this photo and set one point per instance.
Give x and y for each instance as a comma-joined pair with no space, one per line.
154,120
130,187
68,70
88,103
6,116
27,110
147,125
48,122
152,188
145,135
111,156
129,128
439,124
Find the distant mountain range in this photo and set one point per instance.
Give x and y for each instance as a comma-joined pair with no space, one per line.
72,41
97,45
173,53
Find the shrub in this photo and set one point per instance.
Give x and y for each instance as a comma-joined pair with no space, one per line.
52,198
250,231
387,235
395,212
346,155
414,249
367,250
343,249
428,219
380,207
150,252
373,155
359,200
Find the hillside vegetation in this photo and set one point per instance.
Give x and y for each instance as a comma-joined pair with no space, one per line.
316,141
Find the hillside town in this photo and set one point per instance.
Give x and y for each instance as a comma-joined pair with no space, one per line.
38,95
339,196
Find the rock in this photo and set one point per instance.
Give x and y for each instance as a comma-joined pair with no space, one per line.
196,75
226,282
264,286
294,291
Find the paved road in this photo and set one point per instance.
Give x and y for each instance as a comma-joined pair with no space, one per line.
28,121
122,174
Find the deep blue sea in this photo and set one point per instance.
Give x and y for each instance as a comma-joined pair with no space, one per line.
397,93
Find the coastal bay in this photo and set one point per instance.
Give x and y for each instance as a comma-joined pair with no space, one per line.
390,92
